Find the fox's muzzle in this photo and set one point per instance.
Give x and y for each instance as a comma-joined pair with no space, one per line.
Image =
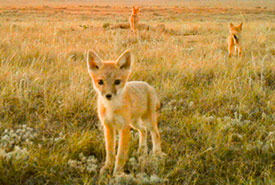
108,96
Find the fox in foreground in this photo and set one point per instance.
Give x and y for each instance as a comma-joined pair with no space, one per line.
123,105
134,19
234,39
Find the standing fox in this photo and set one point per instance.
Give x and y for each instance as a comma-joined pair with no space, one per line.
234,39
134,19
123,105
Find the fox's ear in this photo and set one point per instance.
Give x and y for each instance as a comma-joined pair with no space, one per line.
240,26
124,61
231,25
93,61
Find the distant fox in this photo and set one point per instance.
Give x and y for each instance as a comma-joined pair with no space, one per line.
134,19
234,39
123,105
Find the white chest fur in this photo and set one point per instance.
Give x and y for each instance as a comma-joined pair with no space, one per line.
115,120
112,115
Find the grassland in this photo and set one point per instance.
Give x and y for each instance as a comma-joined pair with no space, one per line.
217,120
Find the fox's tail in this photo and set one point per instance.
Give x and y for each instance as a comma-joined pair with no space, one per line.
154,102
159,105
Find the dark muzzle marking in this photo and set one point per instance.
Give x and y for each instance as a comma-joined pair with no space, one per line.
236,38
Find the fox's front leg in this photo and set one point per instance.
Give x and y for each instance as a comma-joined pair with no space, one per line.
123,147
230,48
134,28
109,134
240,51
131,25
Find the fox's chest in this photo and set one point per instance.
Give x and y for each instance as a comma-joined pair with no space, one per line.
114,119
236,38
134,18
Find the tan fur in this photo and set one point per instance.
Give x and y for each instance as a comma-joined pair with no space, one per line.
132,105
234,39
134,19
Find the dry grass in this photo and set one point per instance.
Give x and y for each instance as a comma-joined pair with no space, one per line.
217,122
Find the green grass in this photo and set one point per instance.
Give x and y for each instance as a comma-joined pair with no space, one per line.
217,120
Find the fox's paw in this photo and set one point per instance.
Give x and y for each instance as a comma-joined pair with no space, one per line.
118,171
160,155
143,150
106,169
119,174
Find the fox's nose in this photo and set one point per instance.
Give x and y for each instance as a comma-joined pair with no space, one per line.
108,96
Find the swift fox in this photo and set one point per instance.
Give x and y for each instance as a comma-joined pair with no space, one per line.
234,39
123,105
134,19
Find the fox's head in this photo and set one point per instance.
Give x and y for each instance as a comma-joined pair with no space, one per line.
236,30
135,10
109,77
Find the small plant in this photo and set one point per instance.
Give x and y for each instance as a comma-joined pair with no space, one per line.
106,25
17,154
84,164
23,135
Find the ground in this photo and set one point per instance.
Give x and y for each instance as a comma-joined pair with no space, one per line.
218,114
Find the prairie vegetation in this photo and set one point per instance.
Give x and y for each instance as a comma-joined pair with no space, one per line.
217,120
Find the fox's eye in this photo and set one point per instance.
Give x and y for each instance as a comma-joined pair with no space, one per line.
117,82
100,82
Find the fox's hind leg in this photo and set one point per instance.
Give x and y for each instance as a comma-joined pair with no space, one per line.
156,139
230,49
142,148
240,51
138,125
152,125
